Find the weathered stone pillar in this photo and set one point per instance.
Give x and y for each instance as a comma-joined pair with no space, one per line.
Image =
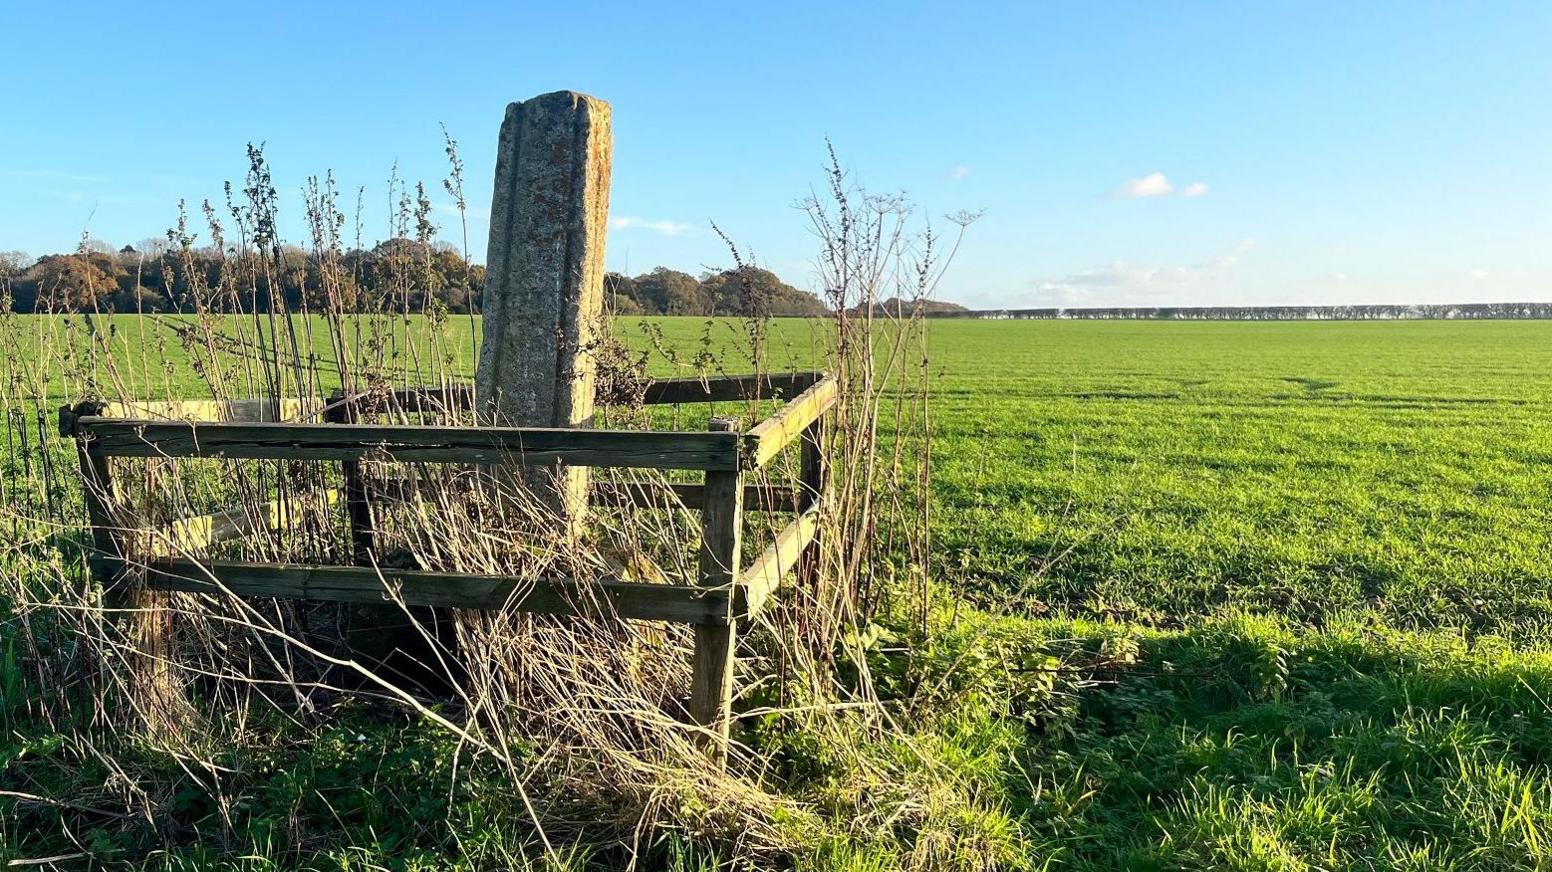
544,275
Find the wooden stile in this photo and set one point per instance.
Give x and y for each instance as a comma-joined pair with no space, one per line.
358,504
813,479
723,595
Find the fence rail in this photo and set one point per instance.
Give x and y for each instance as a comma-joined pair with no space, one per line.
370,584
532,446
445,399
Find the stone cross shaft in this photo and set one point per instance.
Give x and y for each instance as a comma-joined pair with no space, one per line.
543,302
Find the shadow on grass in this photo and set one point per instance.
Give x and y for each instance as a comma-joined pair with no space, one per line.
1240,745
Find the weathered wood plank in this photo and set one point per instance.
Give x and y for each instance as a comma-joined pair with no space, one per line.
767,439
764,575
713,389
642,495
445,398
534,446
663,391
362,584
153,685
727,388
201,531
243,410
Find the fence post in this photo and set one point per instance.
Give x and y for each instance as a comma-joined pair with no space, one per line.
711,672
358,508
149,659
813,479
96,485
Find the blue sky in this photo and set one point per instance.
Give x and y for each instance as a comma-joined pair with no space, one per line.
1124,154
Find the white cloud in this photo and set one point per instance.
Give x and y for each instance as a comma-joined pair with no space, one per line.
1151,185
959,172
659,226
1157,185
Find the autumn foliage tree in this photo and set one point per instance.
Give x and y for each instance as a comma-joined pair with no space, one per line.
385,277
82,281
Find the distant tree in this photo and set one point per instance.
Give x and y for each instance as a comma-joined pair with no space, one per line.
623,305
685,298
133,297
669,292
461,283
620,294
404,272
152,246
82,281
899,307
153,275
13,263
753,291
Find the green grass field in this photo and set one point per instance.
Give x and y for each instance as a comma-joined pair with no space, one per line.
1338,533
1316,555
1300,469
1160,471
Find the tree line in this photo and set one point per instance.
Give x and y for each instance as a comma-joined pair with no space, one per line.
742,291
1356,312
157,277
396,275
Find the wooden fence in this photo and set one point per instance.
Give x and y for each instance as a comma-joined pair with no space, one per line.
725,594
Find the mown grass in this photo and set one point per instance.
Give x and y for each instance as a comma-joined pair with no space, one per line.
1300,469
1247,743
1212,595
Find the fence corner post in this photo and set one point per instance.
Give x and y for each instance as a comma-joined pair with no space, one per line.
711,672
146,620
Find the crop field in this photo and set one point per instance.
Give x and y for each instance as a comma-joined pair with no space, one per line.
1338,536
1398,470
1313,557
